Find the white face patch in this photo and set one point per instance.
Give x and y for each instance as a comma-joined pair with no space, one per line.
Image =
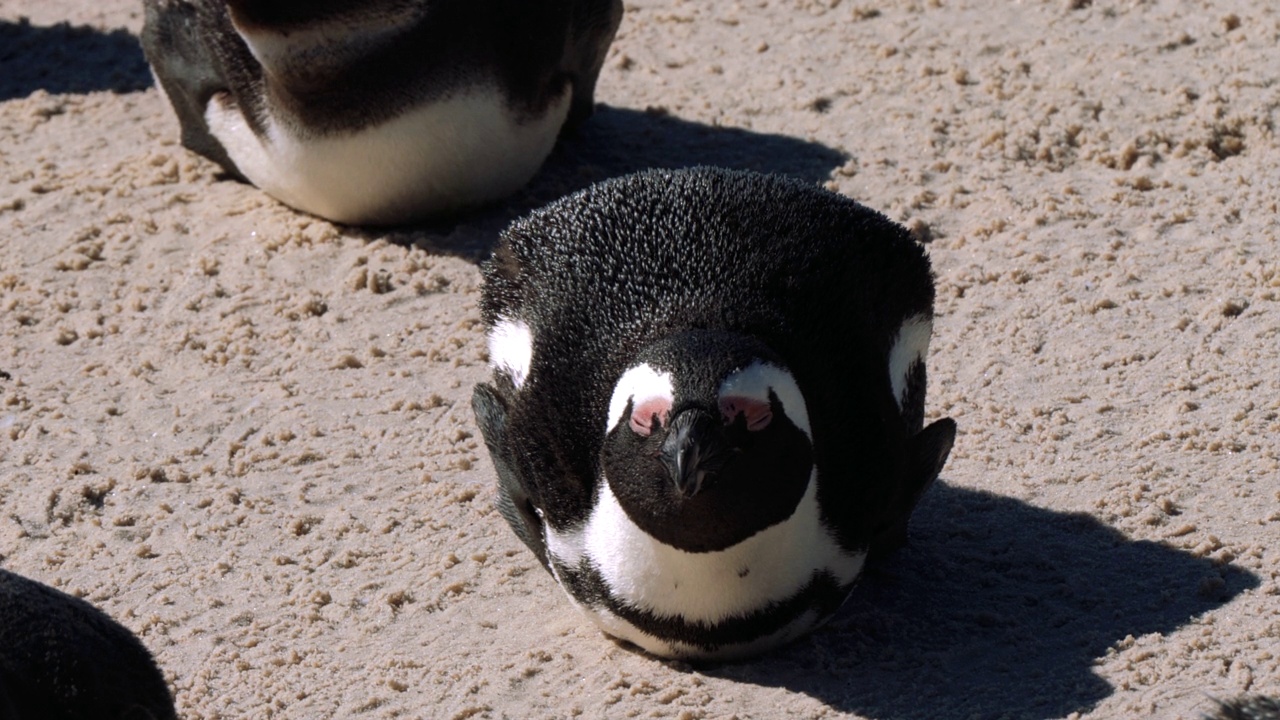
446,154
910,347
755,381
511,349
768,567
642,385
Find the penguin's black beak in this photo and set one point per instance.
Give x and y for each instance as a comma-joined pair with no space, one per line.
693,450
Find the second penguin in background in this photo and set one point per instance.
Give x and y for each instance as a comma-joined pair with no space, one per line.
383,111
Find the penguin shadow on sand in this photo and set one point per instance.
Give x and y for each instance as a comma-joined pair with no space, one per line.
614,142
996,608
61,658
619,141
68,59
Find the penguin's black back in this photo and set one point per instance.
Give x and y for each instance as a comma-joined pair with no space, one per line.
531,49
63,659
599,275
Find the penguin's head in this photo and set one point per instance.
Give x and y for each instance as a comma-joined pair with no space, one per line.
708,440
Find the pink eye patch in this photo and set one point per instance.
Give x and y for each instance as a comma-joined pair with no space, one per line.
757,412
642,415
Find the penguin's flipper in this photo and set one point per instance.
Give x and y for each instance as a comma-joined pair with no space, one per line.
926,453
176,39
594,24
514,501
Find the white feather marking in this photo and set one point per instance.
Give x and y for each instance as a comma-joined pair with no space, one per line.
757,379
640,383
511,349
911,346
446,154
767,567
566,547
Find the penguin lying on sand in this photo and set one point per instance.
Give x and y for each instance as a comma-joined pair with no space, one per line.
707,402
381,111
63,659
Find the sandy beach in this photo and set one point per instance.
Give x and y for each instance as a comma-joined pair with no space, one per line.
245,433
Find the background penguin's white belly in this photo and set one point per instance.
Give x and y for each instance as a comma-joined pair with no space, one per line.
444,155
766,568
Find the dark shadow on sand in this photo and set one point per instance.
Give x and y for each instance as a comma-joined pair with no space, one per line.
996,609
614,142
67,59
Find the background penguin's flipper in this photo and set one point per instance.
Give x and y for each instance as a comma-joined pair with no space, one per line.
176,40
926,453
514,501
593,26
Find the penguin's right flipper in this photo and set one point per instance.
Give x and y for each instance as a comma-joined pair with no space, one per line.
176,41
595,22
927,452
514,501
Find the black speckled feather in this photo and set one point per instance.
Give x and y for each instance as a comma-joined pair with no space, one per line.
63,659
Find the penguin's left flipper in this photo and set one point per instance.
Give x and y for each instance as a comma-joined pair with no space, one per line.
927,452
514,501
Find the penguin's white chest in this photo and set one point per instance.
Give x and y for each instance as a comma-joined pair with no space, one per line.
457,152
702,589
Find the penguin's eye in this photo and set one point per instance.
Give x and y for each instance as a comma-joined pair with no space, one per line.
649,414
757,413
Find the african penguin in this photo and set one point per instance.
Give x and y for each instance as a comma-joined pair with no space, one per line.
707,403
63,659
382,111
